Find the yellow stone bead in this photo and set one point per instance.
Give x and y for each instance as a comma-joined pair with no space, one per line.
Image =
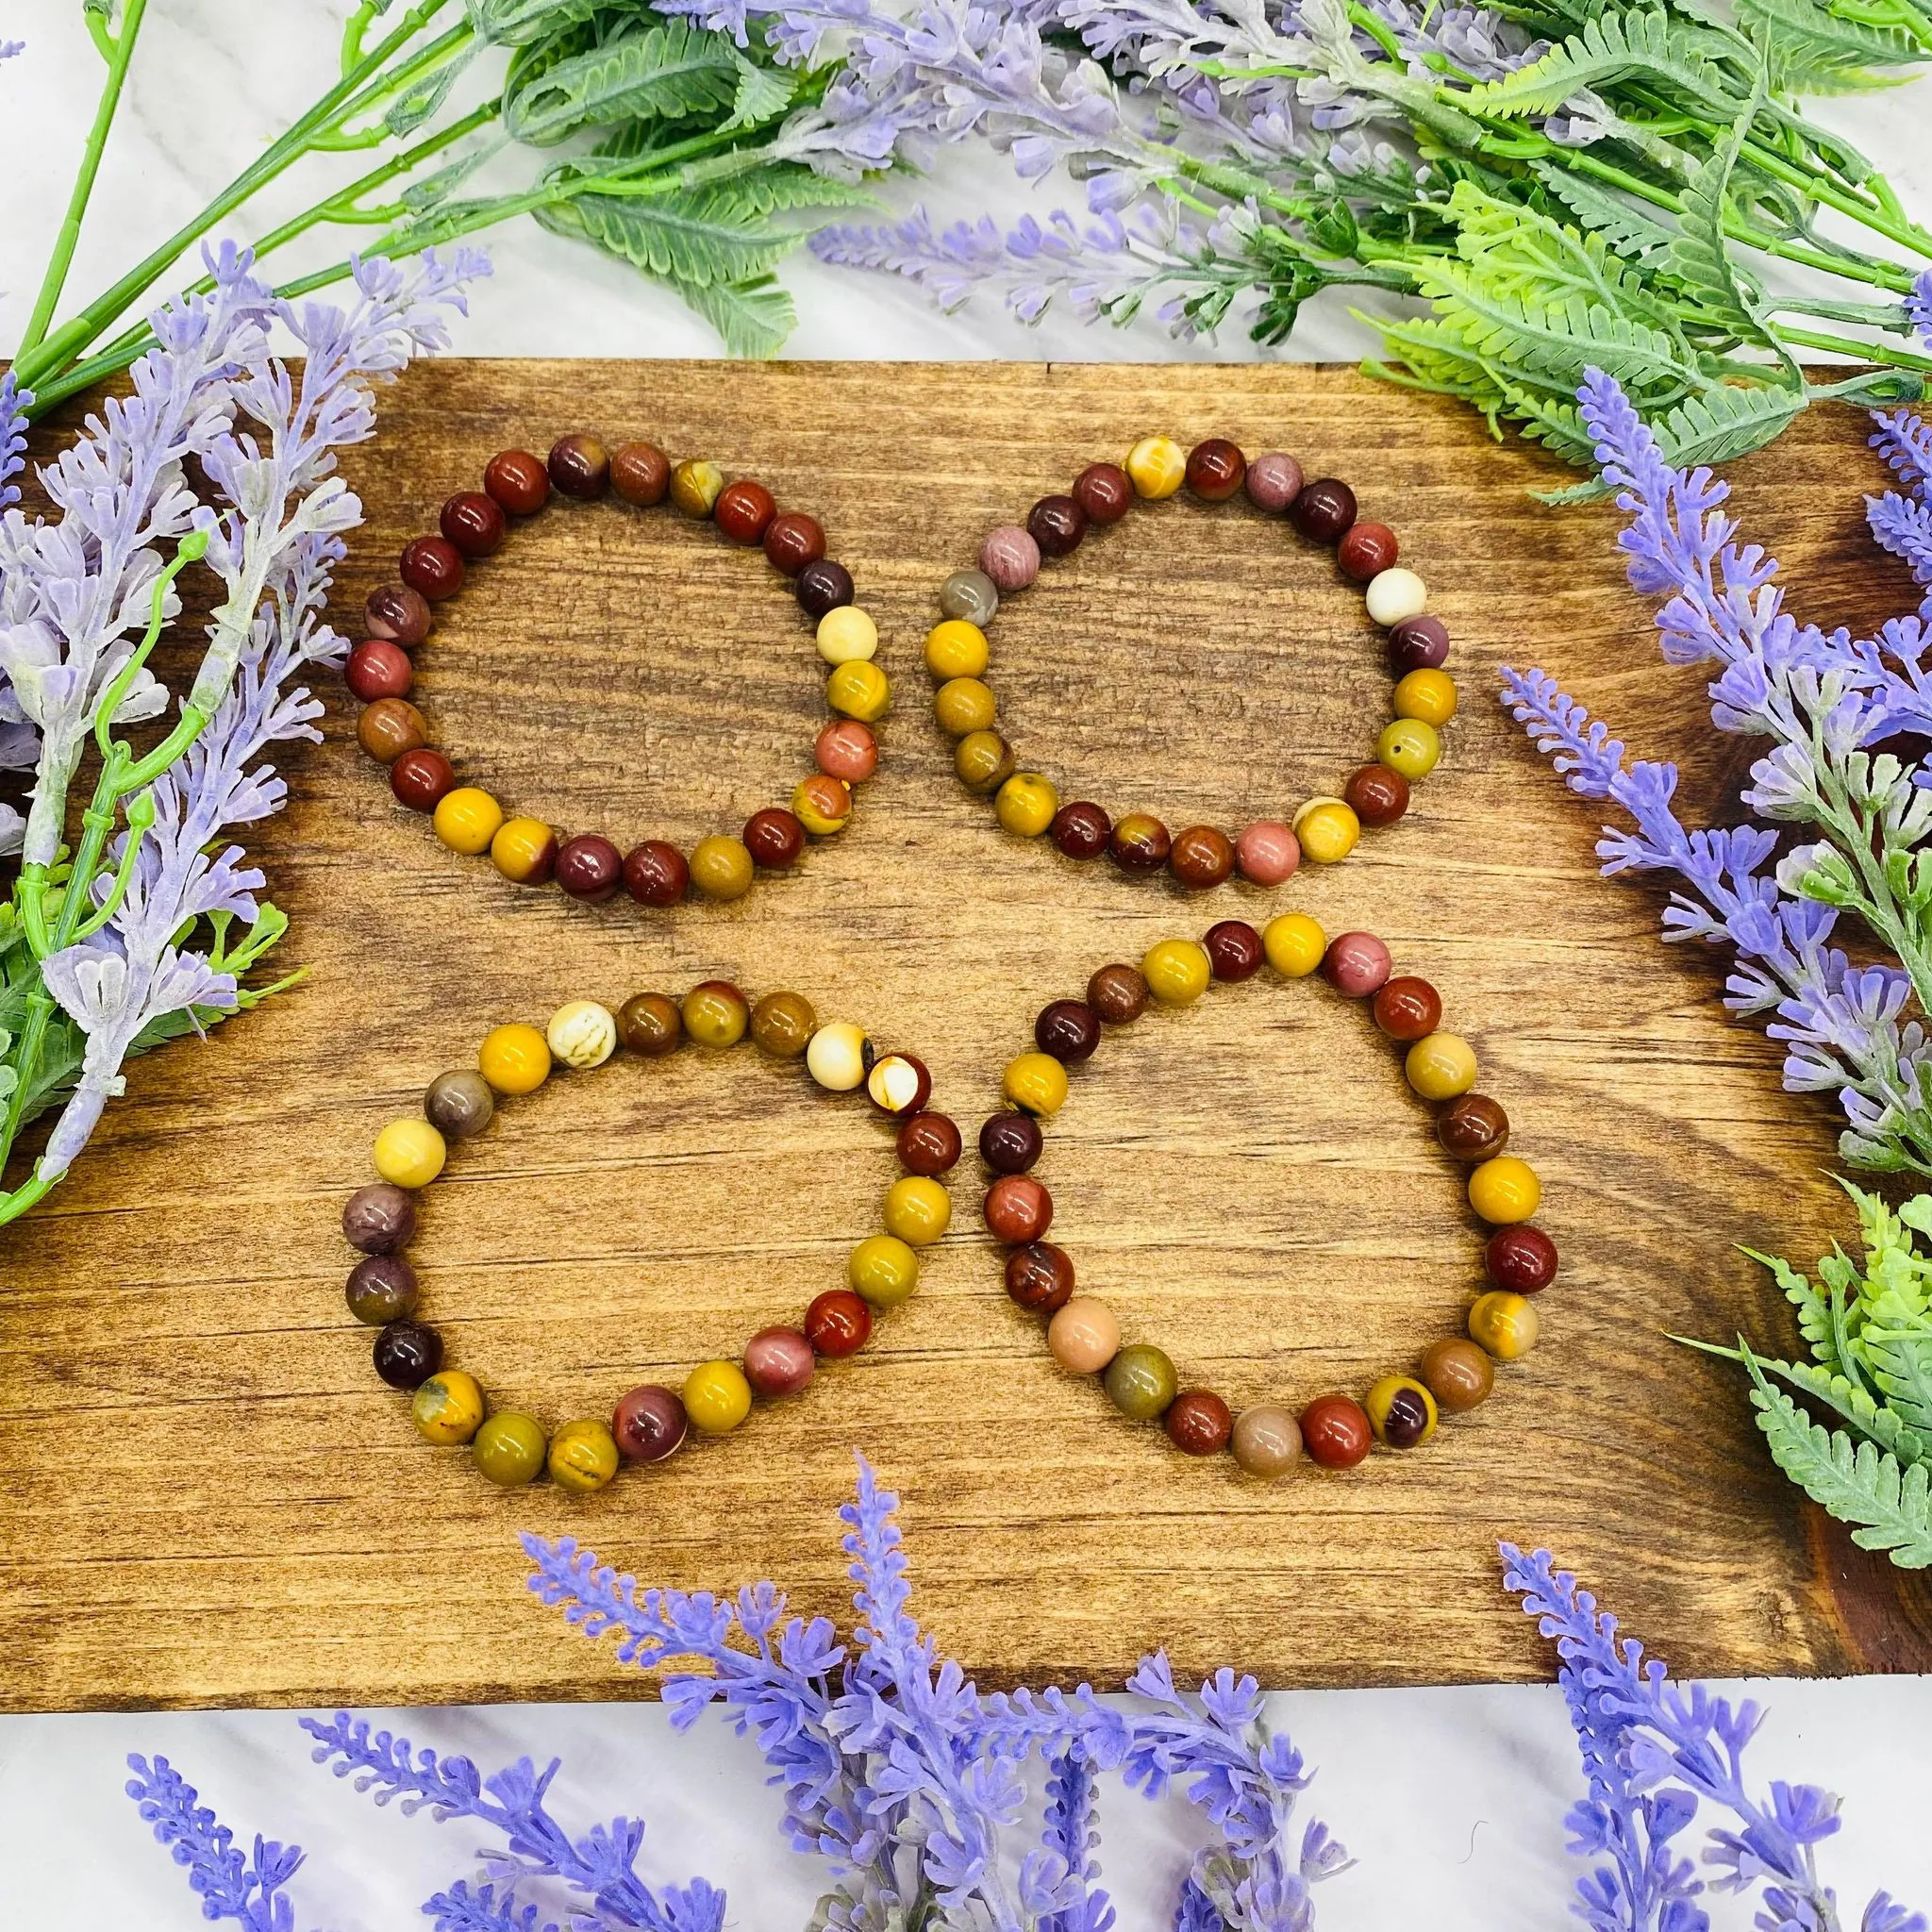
964,705
1440,1065
1504,1190
467,820
859,690
1027,802
1157,466
808,798
1381,1399
410,1152
956,649
984,761
839,1057
1408,747
448,1408
716,1397
1506,1324
514,1059
1176,972
1036,1083
715,1013
721,867
1295,944
883,1270
695,487
847,635
1428,696
1327,828
523,850
581,1034
917,1210
583,1457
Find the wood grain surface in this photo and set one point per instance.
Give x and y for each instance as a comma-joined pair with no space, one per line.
206,1497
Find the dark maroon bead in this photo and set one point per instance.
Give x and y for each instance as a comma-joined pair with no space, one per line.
649,1424
742,510
433,566
381,1289
1323,510
1105,492
407,1354
518,482
378,669
588,866
1198,1423
580,466
1069,1030
398,613
1081,829
823,585
420,779
472,521
379,1218
928,1143
1057,524
1215,469
1377,795
1418,643
656,874
1521,1258
1010,1142
1140,842
793,540
774,837
838,1323
1234,950
1039,1278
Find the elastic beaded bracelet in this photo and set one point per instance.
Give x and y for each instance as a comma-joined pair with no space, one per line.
588,866
651,1422
1084,1335
1268,851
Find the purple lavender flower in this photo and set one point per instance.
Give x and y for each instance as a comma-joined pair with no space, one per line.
246,1890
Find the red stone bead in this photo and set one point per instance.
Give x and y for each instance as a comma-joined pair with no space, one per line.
1198,1423
398,613
1010,1142
1521,1258
1057,524
793,540
928,1143
1202,857
1472,1128
419,778
1377,794
1105,492
1365,551
1407,1008
1080,829
1234,950
742,510
838,1323
1039,1278
1069,1030
1140,842
846,749
822,586
433,567
1336,1431
579,466
649,1424
774,837
1215,469
1018,1209
641,474
778,1362
1323,510
472,521
588,866
378,669
656,874
1418,643
518,482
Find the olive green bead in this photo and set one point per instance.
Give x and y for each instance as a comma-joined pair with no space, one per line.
583,1457
1140,1382
510,1448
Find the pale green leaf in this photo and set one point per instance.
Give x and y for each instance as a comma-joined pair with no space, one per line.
1725,422
1621,223
517,23
1700,258
1809,50
1646,46
753,318
667,71
763,93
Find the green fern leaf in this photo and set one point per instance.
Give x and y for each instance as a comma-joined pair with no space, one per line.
693,237
1724,422
1645,46
1632,233
1900,1361
1700,258
517,23
1871,1419
1809,50
1814,1309
752,318
668,70
762,94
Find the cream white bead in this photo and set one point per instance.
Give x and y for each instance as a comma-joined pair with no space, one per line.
582,1034
837,1056
1395,594
847,635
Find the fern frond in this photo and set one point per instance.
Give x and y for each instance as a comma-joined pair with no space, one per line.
665,70
1810,50
1724,422
1522,252
1700,258
752,317
1624,225
1850,1399
1647,45
1814,1309
516,22
1900,1361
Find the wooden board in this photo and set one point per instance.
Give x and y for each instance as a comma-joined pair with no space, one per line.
205,1495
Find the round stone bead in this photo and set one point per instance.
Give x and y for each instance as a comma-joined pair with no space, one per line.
963,705
1418,643
518,482
514,1059
715,1013
1440,1065
1377,795
656,873
473,523
1084,1336
1522,1260
411,1154
1105,492
1458,1373
1010,1142
1267,853
970,595
721,867
1215,469
1039,1278
859,689
743,510
1472,1128
1010,558
1323,510
778,1362
792,541
397,614
1356,964
717,1397
1401,1412
1365,552
651,1025
649,1424
641,474
588,867
883,1270
1503,1191
1025,803
579,466
1156,466
846,750
378,669
379,1218
984,761
1273,481
1118,994
509,1449
954,648
448,1409
839,1057
782,1025
1328,830
381,1289
1202,857
1140,842
1081,829
1394,595
847,635
898,1083
390,727
1018,1209
467,820
822,586
408,1352
917,1209
1409,747
1267,1440
459,1105
1036,1083
1506,1324
583,1457
838,1323
821,804
525,851
1234,950
1407,1008
581,1034
1176,972
1295,944
420,779
1067,1029
928,1143
1429,695
695,487
433,566
1140,1381
1335,1431
1198,1423
1057,525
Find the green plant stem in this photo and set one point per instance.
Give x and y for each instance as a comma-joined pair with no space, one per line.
386,86
1858,351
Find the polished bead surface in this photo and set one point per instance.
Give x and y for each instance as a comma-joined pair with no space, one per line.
459,1103
388,728
1522,1260
579,466
1295,944
860,690
1036,1083
1039,1278
1273,481
583,1457
1503,1191
1010,558
467,820
883,1270
1328,830
1323,509
743,511
695,487
1366,550
1215,469
1057,525
448,1409
847,635
656,874
970,595
715,1013
1472,1128
917,1209
378,669
1177,971
1401,1412
581,1034
1506,1324
822,586
410,1152
984,761
1010,1142
821,804
955,648
1140,1381
1069,1030
1105,492
408,1352
420,779
1418,643
1429,695
838,1323
1409,747
1118,994
839,1057
381,1289
964,705
397,613
1440,1065
1458,1373
782,1025
1407,1008
641,474
649,1424
1393,596
473,523
778,1362
1081,829
1356,964
518,482
722,868
928,1143
651,1025
792,541
588,866
1140,842
1234,950
1084,1336
509,1449
1156,466
1025,803
1335,1431
1198,1423
1267,1441
1202,857
433,566
1018,1209
514,1059
846,750
525,851
1377,795
717,1397
898,1083
1267,853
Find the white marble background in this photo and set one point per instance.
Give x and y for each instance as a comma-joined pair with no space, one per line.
1451,1800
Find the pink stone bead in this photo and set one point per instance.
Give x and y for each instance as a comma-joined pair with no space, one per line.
778,1362
1010,558
1356,964
1267,853
1084,1336
846,749
1273,481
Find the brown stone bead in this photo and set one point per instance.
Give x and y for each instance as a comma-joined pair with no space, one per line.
459,1103
1407,1008
1267,1440
656,874
1335,1431
822,586
1118,994
1105,492
984,761
793,540
381,1289
1140,842
1010,1142
407,1354
518,482
1458,1373
579,466
1521,1259
472,521
588,866
928,1143
1039,1278
398,613
1234,950
1215,469
774,837
743,510
641,474
1202,857
1069,1030
419,778
1377,794
1323,511
1365,551
433,566
378,669
379,1218
1018,1209
1418,643
782,1025
651,1025
388,728
1472,1128
1198,1423
1057,524
1080,829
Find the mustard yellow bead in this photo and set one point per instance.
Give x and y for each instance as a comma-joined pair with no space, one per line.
984,761
721,867
810,800
410,1152
523,851
514,1059
883,1270
962,705
1507,1325
716,1397
1176,972
448,1408
1157,466
1504,1190
1428,696
1036,1083
1408,747
1295,944
1025,803
956,649
847,635
917,1210
859,690
583,1457
1328,829
467,820
1440,1065
1401,1412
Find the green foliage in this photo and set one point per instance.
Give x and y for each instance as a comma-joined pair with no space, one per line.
1648,44
1809,50
517,23
585,77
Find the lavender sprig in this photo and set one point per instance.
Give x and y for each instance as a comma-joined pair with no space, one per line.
246,1890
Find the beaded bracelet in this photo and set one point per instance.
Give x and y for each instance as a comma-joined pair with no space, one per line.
651,1422
1084,1335
588,866
1268,851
